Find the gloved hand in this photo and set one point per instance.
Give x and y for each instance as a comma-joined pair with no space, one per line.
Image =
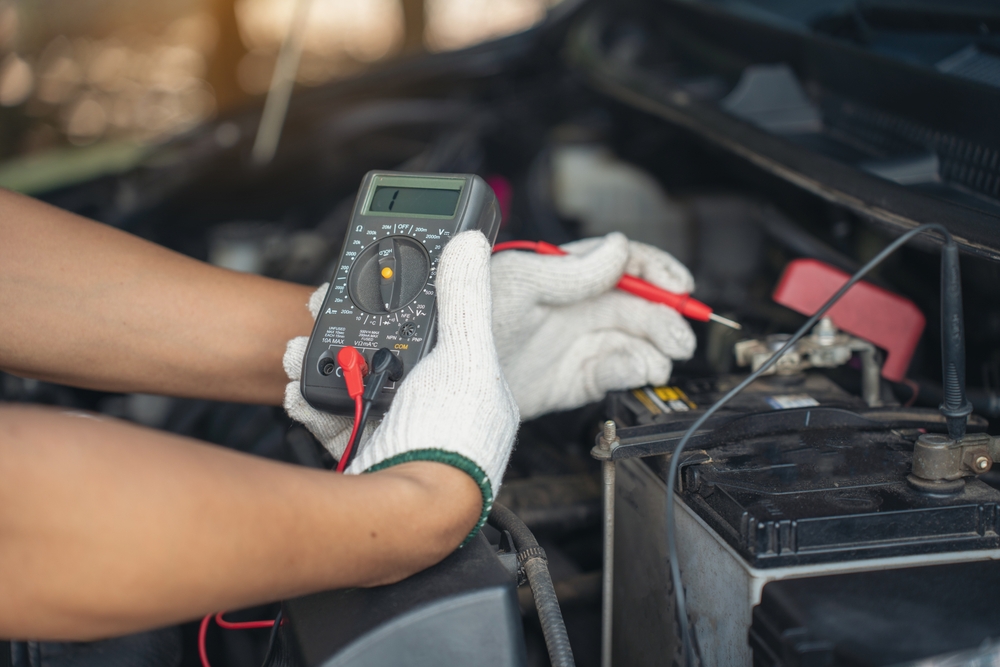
454,406
566,336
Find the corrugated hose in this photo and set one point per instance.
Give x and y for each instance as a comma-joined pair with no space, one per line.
531,558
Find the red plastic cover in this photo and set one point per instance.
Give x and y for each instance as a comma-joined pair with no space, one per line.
888,320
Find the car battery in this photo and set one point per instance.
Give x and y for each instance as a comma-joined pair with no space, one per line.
795,478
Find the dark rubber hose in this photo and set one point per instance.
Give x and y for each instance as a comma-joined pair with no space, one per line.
531,558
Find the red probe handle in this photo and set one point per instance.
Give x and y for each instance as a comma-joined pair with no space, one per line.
355,369
682,303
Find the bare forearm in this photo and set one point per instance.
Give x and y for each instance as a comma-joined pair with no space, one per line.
89,305
106,528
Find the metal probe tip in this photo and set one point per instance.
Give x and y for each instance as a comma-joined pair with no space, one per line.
726,322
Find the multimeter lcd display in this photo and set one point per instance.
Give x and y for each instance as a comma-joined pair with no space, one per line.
420,201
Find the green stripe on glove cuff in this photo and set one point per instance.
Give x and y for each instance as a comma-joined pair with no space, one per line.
455,460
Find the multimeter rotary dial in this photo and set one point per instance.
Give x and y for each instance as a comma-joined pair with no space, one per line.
389,274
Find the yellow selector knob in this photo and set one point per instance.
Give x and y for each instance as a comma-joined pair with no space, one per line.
386,272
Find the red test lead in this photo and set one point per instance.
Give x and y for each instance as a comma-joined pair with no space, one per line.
355,369
682,303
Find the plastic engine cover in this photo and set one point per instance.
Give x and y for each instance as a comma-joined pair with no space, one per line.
462,611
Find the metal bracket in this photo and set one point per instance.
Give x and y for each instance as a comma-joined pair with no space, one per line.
607,442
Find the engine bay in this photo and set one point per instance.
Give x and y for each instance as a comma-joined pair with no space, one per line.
797,510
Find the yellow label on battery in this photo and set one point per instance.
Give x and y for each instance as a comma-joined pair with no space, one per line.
664,400
675,398
648,404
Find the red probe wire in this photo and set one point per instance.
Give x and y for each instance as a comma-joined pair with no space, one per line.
242,625
682,303
355,369
228,625
358,407
202,634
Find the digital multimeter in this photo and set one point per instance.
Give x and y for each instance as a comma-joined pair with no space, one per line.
382,294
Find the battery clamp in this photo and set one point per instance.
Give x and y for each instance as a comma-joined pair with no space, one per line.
382,294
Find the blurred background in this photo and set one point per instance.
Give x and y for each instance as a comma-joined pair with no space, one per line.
107,78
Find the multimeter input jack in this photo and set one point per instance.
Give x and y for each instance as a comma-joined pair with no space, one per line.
327,365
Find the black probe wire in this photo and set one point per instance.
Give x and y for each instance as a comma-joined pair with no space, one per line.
385,366
680,606
354,444
272,641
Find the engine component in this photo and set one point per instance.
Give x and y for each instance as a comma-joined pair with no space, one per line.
382,292
606,194
824,348
869,312
955,409
462,611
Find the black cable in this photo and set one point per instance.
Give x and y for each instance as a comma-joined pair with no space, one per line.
984,402
354,443
531,558
272,642
680,605
956,407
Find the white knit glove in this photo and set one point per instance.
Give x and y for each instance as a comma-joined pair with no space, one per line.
454,406
566,336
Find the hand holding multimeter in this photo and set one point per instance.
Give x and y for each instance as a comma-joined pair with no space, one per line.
454,407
